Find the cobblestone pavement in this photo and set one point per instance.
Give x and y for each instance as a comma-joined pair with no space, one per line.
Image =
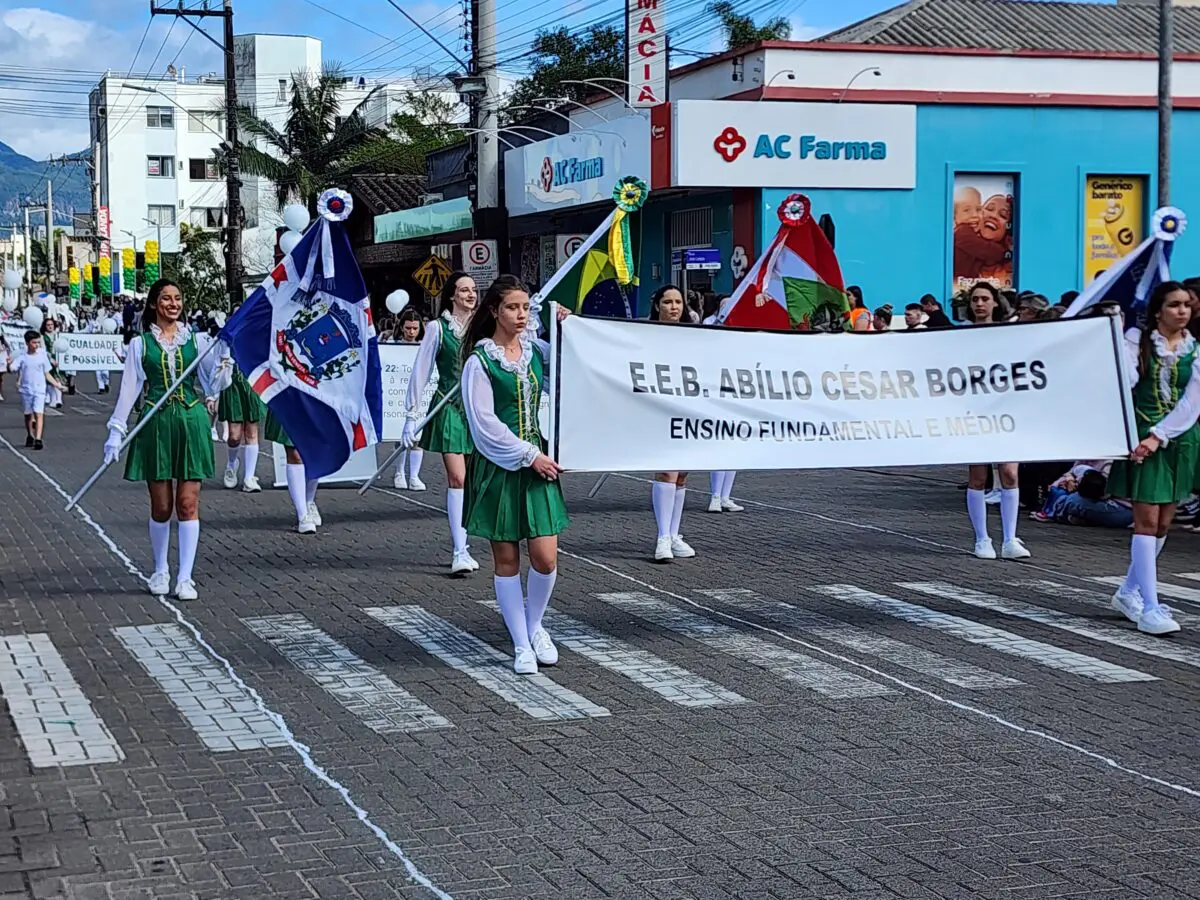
831,700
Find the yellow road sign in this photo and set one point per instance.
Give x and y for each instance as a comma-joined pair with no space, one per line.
432,275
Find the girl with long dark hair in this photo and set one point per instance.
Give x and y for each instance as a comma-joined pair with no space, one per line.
512,492
447,432
409,326
173,454
1161,360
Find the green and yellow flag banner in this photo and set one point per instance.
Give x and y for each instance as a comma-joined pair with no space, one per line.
73,283
151,267
105,276
128,270
87,281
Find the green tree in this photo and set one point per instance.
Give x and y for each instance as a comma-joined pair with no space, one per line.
198,268
740,29
559,55
426,123
316,148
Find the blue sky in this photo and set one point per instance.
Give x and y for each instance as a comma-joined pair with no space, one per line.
67,44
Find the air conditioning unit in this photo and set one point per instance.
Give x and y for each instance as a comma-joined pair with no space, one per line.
430,199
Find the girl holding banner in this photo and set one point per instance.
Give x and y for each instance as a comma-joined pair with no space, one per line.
512,492
1161,361
408,331
670,488
985,305
447,432
172,453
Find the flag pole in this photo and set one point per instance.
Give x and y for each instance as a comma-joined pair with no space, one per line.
145,419
450,395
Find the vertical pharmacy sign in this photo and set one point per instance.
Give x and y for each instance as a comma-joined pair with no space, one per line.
646,48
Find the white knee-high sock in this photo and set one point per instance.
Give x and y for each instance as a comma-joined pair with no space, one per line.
310,490
400,461
727,484
539,591
160,543
235,457
715,482
415,456
1010,511
1145,564
454,515
677,510
295,483
663,497
1130,581
189,540
511,601
1158,545
977,510
249,459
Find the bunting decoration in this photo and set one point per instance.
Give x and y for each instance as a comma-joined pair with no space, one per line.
629,195
151,265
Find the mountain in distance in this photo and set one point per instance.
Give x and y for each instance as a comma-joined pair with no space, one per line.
22,177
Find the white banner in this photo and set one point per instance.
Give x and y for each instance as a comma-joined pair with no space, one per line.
397,362
638,396
14,336
87,352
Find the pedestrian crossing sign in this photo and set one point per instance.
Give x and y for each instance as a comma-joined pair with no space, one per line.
432,275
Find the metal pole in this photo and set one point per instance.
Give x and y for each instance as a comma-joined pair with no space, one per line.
233,182
95,175
487,195
1166,41
450,395
28,257
51,249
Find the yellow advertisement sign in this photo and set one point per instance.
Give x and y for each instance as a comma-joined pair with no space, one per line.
1114,212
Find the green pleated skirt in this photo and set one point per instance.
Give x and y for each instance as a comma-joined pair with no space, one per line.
175,446
499,505
1168,476
274,432
447,432
239,403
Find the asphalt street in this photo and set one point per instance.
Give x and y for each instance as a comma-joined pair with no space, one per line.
833,699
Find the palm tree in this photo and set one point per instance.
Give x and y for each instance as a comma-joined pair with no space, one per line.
315,150
741,30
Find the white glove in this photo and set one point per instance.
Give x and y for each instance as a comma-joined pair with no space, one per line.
112,447
408,437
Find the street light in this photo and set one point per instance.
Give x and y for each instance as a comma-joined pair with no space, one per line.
607,90
569,121
872,69
791,76
583,106
476,131
157,225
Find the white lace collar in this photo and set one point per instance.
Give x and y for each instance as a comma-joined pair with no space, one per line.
458,327
182,333
520,366
1169,359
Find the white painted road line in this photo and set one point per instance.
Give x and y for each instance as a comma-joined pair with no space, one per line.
1093,597
53,716
367,693
1173,591
1117,635
985,635
863,641
806,671
535,695
223,715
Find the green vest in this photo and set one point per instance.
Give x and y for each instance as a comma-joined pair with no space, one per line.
448,362
516,400
158,373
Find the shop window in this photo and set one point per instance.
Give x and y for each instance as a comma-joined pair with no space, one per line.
1114,214
983,217
691,228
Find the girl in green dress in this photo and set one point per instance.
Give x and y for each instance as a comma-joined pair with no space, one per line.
241,409
446,433
1161,359
173,454
301,488
512,492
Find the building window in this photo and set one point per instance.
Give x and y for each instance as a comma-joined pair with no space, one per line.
160,117
161,215
160,166
203,170
283,89
206,216
204,121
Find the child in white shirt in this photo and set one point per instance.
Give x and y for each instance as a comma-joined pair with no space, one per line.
33,374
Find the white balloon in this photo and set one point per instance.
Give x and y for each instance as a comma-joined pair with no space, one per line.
33,317
397,300
295,216
288,241
50,307
43,299
219,318
9,303
108,326
12,279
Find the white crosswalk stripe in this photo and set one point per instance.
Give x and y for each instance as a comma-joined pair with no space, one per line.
1091,597
223,715
863,641
535,695
1117,635
985,635
367,693
1165,589
53,716
814,674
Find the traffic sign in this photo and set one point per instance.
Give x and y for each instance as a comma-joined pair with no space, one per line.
565,245
481,262
432,275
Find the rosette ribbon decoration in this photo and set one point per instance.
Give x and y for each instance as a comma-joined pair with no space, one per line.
1168,223
630,196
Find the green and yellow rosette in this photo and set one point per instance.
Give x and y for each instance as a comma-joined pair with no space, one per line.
128,270
87,281
629,195
105,276
151,268
73,283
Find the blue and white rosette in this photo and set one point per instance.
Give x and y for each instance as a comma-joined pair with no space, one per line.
335,205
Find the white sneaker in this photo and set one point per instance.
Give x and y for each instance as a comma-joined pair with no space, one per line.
415,483
1128,603
680,548
985,549
1014,549
470,559
251,485
992,497
399,482
315,514
662,550
729,506
525,661
160,584
230,480
1158,620
461,563
306,526
714,505
543,648
186,590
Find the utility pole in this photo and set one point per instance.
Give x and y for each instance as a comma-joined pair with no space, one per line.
1166,42
233,182
490,217
51,248
93,169
28,254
